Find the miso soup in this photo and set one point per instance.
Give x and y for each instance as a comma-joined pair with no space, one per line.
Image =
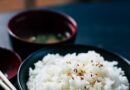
48,37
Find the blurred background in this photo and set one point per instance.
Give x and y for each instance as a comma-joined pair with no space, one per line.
11,5
97,20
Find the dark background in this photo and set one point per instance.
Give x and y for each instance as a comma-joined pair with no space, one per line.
101,24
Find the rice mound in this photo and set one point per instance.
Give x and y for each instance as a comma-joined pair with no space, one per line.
85,71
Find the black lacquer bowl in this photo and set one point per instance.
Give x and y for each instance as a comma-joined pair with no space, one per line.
31,24
9,63
38,55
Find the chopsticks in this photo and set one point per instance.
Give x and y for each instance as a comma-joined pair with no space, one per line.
5,83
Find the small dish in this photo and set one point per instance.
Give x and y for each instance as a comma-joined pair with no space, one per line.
38,55
34,29
9,63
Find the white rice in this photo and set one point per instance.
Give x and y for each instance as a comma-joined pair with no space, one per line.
85,71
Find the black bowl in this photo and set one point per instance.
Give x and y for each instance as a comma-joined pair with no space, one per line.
35,22
9,63
38,55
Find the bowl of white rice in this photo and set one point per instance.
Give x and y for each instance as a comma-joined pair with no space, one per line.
74,67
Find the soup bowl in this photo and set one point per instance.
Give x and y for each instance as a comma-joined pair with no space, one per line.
34,29
23,73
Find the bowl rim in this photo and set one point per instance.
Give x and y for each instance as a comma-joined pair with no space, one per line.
14,55
61,46
61,14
